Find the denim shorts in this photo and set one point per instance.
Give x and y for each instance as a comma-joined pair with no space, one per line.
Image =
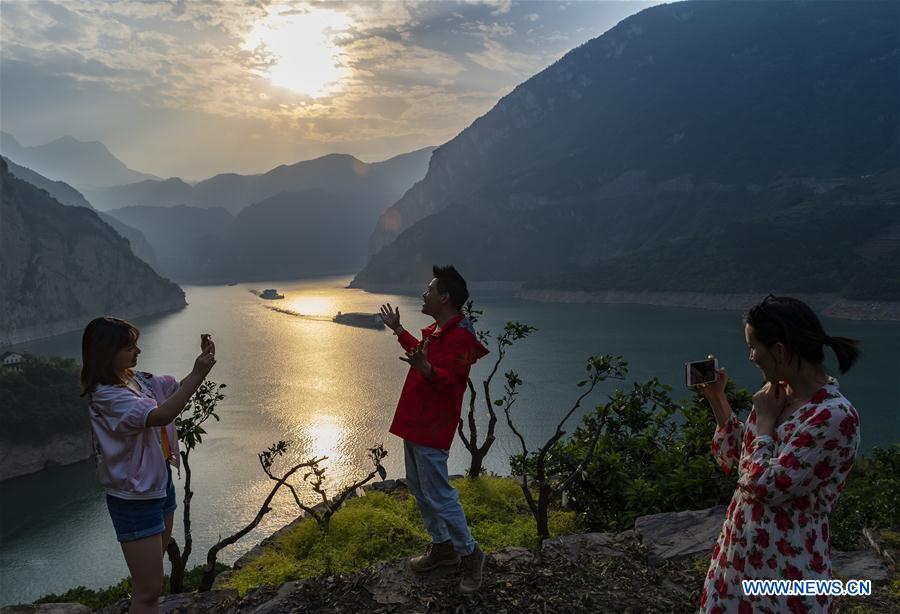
139,518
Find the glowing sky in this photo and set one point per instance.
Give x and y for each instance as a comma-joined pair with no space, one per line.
191,89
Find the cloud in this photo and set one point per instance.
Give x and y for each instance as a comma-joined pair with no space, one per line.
496,57
175,89
500,7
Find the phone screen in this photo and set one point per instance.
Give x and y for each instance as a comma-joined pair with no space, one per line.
700,372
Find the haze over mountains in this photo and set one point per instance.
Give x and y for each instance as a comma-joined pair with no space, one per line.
312,217
84,165
63,265
683,120
337,173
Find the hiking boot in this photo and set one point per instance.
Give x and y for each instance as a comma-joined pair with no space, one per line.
437,555
472,568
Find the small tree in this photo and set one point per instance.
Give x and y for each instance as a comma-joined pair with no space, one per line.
189,424
321,514
512,332
549,483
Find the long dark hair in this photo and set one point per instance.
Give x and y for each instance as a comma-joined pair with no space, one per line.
793,323
103,338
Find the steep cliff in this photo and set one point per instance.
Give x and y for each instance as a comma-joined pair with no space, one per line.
683,115
62,266
67,195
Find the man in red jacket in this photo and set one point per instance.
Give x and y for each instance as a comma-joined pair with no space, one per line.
426,419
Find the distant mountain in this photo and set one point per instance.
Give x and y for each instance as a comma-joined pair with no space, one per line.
62,266
844,241
683,120
295,234
85,165
185,239
382,183
60,190
69,196
151,192
288,235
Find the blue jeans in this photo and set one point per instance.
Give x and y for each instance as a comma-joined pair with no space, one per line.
426,477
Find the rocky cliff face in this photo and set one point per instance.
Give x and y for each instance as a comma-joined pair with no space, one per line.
62,266
67,195
58,450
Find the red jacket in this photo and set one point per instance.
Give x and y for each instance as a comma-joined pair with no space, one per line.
428,411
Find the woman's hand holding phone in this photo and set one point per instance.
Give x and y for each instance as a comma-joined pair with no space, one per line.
203,364
715,389
207,358
207,345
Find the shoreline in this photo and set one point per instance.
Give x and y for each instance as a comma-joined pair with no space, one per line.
828,305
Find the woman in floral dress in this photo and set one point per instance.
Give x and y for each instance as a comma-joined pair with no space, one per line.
793,455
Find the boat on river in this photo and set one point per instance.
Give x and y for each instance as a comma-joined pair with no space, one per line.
363,320
270,294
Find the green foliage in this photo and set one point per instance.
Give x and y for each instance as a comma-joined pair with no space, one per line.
869,499
199,409
104,597
41,400
378,527
92,598
652,456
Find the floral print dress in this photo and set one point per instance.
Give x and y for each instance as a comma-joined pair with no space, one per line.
776,526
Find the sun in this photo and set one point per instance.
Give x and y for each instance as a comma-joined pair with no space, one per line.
300,48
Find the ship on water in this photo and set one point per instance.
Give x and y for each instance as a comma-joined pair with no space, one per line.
270,294
364,320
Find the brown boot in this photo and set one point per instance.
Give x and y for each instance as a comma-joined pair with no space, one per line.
472,568
437,555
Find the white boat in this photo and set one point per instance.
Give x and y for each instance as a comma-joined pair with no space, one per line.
364,320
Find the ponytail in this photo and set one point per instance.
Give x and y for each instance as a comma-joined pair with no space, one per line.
846,350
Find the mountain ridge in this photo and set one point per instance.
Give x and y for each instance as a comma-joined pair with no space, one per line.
680,115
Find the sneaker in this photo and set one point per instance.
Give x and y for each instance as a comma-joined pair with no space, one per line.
437,555
472,568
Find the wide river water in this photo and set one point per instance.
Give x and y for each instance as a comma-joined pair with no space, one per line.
332,390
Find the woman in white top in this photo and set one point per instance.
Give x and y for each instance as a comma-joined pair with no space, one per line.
132,420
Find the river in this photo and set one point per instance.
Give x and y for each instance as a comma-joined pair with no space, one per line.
331,389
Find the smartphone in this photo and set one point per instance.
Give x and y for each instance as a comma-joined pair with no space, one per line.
700,371
204,341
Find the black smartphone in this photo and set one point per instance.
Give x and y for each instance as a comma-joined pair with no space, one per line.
700,371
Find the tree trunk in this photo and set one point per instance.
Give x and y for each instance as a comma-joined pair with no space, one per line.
176,577
541,518
475,468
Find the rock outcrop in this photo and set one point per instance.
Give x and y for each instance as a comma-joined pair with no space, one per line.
57,450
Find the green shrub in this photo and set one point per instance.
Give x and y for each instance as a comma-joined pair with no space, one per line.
103,597
378,527
653,456
41,400
869,498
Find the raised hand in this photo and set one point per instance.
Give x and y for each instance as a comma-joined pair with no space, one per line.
390,316
203,364
769,403
715,389
207,345
418,358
